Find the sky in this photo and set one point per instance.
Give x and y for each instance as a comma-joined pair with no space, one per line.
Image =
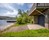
11,9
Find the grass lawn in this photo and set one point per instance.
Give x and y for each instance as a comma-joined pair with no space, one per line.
21,24
27,33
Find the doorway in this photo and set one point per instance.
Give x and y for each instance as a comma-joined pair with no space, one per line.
41,20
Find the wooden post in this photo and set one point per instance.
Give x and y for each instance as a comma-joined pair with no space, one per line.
47,19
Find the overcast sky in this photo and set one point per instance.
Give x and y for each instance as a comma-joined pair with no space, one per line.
11,9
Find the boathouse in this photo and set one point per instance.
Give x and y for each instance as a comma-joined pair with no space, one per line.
40,11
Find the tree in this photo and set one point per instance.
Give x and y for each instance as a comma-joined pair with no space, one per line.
19,12
24,18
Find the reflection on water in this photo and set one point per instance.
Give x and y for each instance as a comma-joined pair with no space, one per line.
3,24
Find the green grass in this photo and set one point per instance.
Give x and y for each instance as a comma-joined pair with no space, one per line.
28,33
21,24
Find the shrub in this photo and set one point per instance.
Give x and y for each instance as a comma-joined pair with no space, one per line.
23,18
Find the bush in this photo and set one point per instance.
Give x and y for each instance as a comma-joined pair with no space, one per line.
23,18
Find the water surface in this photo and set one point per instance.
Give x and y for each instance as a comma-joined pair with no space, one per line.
3,24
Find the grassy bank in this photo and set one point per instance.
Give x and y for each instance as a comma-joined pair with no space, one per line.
28,33
21,24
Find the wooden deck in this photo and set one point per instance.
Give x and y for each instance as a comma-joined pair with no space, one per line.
38,6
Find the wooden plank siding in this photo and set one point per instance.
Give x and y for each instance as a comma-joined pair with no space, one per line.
44,9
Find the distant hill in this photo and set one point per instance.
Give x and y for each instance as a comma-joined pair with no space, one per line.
7,18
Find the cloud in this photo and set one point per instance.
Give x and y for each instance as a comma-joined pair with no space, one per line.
11,9
20,4
12,13
7,6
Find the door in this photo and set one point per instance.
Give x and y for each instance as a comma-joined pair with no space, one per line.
41,20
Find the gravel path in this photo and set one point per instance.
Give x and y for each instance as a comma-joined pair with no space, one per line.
34,26
26,27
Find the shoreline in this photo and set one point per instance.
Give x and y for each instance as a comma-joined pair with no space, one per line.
6,26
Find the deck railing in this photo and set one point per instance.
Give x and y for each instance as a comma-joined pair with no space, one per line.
38,5
42,5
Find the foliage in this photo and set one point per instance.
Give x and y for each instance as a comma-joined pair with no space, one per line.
28,33
19,12
24,18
